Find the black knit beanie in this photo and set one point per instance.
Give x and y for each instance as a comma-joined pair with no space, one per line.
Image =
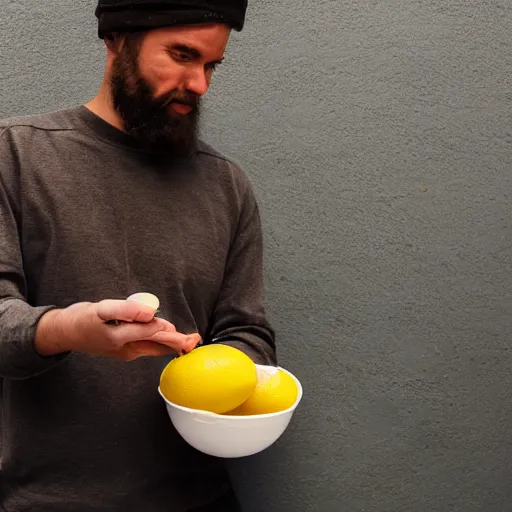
137,15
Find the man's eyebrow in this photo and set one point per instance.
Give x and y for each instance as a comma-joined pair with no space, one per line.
193,52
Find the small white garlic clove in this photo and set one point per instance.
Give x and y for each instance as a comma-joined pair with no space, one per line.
145,298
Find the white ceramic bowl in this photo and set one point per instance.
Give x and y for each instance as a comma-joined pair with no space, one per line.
231,436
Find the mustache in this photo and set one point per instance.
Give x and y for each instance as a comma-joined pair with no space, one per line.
186,98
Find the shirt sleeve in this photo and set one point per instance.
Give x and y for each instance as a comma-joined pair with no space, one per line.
240,318
18,319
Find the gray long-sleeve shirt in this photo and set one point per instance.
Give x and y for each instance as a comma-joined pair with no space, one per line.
87,214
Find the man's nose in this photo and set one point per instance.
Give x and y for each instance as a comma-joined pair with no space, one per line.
197,81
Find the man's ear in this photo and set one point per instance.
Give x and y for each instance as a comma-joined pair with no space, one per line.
114,42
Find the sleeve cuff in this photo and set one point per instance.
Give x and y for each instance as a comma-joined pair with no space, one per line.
19,358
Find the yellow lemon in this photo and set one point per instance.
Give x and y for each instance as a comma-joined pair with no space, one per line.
274,392
215,378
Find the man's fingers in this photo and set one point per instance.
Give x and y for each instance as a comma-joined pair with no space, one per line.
164,325
175,340
128,332
124,310
192,341
136,349
146,348
138,325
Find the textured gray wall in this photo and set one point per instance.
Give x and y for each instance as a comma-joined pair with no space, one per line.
378,137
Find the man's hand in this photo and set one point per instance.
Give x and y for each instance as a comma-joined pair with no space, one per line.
83,327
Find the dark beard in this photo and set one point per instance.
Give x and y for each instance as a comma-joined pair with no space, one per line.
148,118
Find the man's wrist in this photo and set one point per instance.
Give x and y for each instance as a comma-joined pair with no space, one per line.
50,338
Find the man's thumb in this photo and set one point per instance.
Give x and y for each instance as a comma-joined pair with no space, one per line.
124,311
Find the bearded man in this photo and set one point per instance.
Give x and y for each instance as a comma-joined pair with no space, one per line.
98,202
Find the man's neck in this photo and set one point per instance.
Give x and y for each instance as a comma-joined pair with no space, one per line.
102,106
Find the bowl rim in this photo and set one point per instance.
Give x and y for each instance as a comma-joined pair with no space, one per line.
200,412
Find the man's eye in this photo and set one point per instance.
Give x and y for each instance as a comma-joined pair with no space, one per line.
211,67
181,57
